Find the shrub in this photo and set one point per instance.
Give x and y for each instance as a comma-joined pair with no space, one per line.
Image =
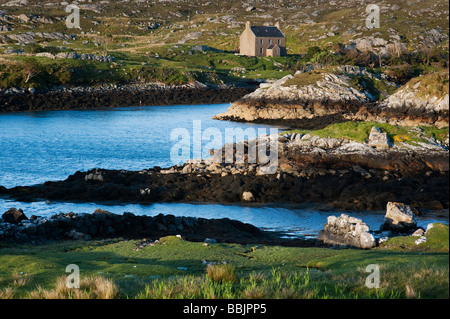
33,48
51,49
163,74
248,62
400,74
324,58
312,52
31,69
11,76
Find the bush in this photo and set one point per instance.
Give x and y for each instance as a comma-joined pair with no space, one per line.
312,52
11,76
248,62
33,48
400,74
163,74
51,49
325,58
65,75
366,59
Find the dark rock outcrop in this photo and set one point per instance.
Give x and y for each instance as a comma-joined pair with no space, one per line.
14,216
118,96
343,187
103,224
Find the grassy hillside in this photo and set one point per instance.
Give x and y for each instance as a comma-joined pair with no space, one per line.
160,34
434,84
174,268
302,22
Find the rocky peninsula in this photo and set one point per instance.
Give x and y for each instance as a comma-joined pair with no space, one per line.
336,171
114,95
318,97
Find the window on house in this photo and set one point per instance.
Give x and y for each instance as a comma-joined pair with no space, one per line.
261,50
279,41
261,41
270,41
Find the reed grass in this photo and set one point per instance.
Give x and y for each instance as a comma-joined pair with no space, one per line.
91,287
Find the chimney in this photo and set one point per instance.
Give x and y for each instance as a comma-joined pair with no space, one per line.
247,25
277,24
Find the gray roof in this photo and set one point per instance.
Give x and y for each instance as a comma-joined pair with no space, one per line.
272,32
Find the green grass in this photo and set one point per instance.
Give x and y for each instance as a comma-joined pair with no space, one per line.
121,37
119,20
433,84
359,131
170,64
436,241
440,134
179,269
48,73
304,79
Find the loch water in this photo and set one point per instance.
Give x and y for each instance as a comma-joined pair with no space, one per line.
51,145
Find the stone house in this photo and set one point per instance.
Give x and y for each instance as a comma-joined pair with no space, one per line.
262,41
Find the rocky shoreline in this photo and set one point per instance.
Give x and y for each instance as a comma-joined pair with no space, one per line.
111,95
399,220
338,172
283,113
344,231
16,227
352,188
342,173
312,100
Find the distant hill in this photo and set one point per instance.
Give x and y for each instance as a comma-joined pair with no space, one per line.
306,23
412,39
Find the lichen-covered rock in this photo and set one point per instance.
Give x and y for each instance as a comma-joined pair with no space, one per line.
426,94
321,97
331,93
399,218
348,231
378,139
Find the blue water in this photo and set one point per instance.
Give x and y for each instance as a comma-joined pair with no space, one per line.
50,145
39,146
